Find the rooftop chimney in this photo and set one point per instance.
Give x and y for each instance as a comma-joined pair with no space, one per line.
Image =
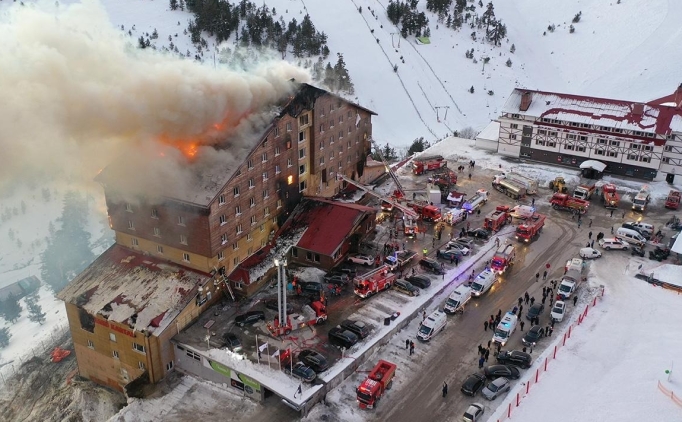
526,99
638,109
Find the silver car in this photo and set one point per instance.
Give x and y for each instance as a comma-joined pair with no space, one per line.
474,413
495,388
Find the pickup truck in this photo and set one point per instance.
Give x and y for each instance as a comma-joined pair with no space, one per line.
399,259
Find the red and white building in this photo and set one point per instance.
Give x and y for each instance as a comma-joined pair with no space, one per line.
629,138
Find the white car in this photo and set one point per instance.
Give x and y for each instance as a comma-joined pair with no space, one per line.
589,253
458,246
362,259
473,413
613,243
558,311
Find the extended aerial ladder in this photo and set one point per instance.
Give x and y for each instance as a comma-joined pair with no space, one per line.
400,191
222,275
407,211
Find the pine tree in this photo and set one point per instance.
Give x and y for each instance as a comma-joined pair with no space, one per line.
329,77
173,4
571,29
509,63
4,337
141,43
512,49
10,309
35,312
471,90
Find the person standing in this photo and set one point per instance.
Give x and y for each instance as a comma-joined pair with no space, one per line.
520,310
575,300
612,213
411,348
522,323
590,223
485,326
407,344
445,389
589,235
532,300
537,277
520,301
544,275
487,354
526,297
592,244
481,361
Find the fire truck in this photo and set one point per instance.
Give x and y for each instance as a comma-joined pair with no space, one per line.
424,163
530,229
503,258
610,196
454,216
530,185
443,177
561,201
510,188
426,211
641,200
313,314
455,199
497,219
673,200
373,282
584,192
379,380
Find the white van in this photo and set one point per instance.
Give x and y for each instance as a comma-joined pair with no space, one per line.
630,236
483,282
505,328
457,300
574,264
432,325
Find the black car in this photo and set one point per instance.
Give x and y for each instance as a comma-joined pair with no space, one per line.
337,279
515,357
358,328
249,318
311,286
300,371
479,233
431,265
449,254
638,250
419,281
507,371
232,342
473,384
535,311
315,360
342,337
533,336
406,287
272,304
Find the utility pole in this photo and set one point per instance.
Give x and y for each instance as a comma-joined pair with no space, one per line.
438,114
392,42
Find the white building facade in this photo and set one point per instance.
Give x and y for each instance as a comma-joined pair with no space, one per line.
632,139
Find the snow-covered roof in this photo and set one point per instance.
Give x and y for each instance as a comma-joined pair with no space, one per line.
620,114
122,283
677,246
491,132
593,164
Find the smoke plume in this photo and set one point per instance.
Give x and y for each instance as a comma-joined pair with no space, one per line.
77,93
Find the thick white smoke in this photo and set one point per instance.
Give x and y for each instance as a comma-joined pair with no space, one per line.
76,93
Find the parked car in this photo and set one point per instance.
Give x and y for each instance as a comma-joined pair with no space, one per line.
453,244
301,371
638,250
419,281
558,311
533,336
496,387
342,337
359,328
311,286
464,241
613,243
431,265
315,360
337,279
535,311
515,357
406,287
589,253
249,318
362,259
272,304
633,226
496,371
472,384
474,413
449,254
479,233
232,342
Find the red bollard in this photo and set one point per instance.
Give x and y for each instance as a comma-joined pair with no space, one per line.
545,364
586,308
594,302
569,331
555,352
527,386
537,375
518,399
565,337
509,411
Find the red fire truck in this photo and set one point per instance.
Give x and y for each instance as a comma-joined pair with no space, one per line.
561,201
610,196
379,380
530,229
424,163
373,282
497,219
503,258
313,314
426,212
673,200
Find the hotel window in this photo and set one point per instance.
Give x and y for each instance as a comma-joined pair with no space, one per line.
321,160
279,203
265,175
303,120
155,213
169,366
572,137
515,116
289,127
276,131
223,219
341,119
248,239
665,160
262,228
138,348
236,191
601,141
157,232
235,261
185,257
301,169
183,239
580,148
112,337
221,200
512,136
583,138
264,157
542,132
252,202
632,157
181,220
251,184
141,366
131,225
301,136
278,169
341,134
223,238
238,210
159,249
239,229
514,126
221,255
114,353
614,143
302,186
134,241
322,128
668,148
350,128
647,148
249,164
301,153
253,220
263,243
91,344
612,154
266,194
129,207
235,246
331,140
645,159
569,147
266,212
289,164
